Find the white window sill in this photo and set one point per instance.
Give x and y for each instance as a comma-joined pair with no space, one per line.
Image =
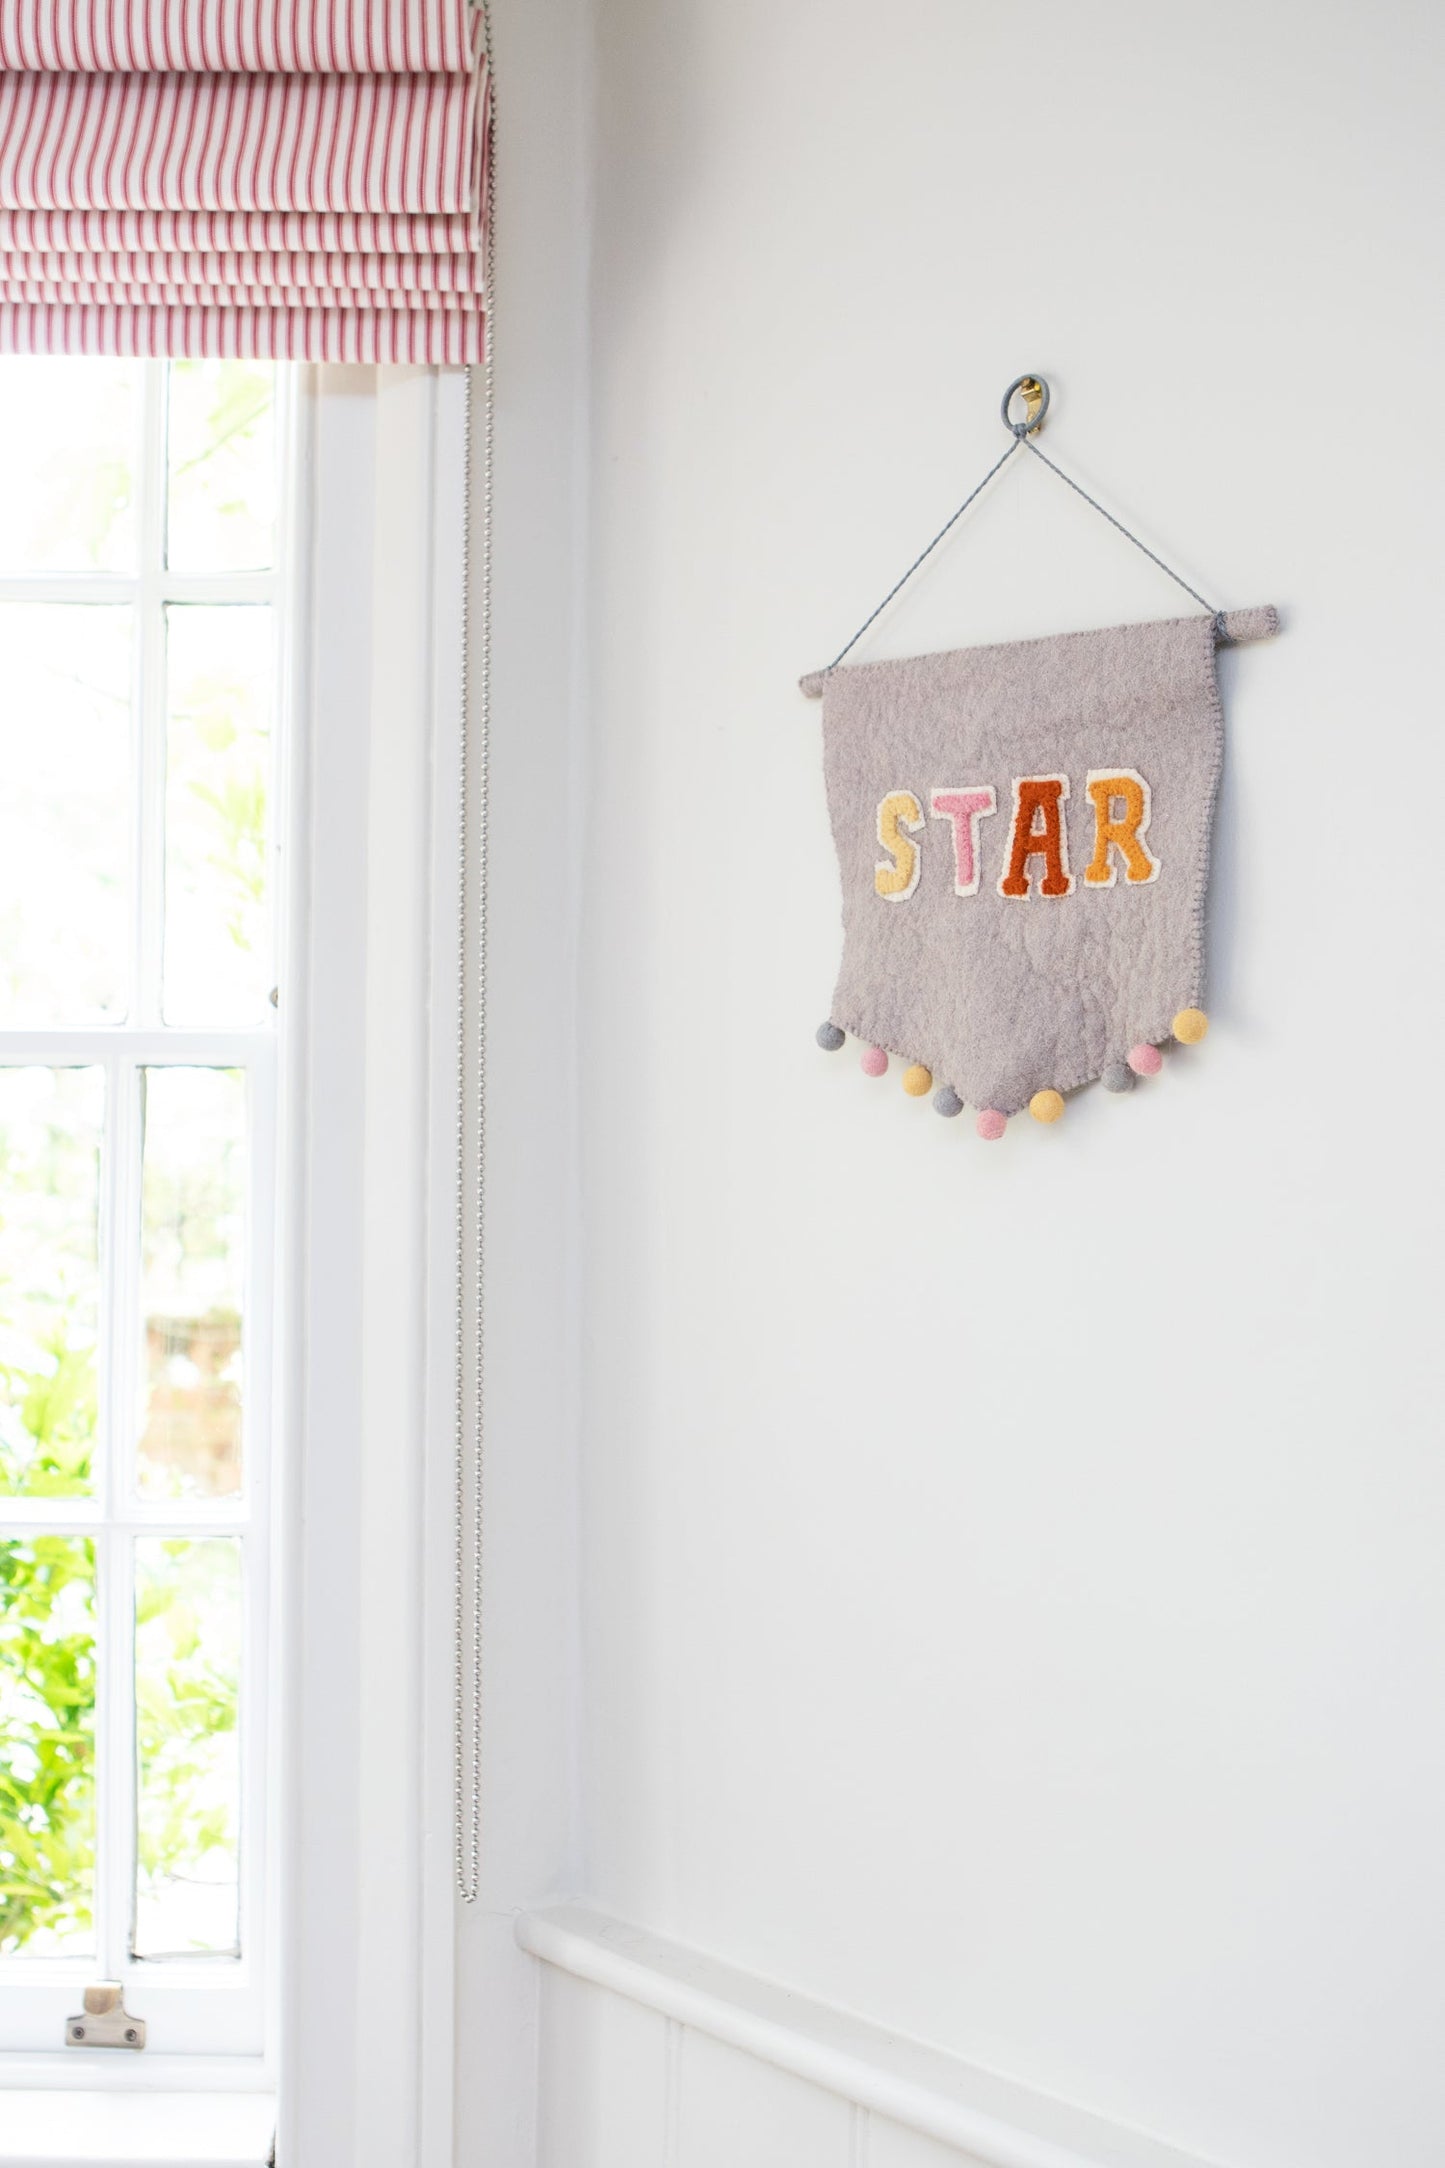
135,2130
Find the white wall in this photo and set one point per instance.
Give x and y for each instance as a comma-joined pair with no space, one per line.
1011,1591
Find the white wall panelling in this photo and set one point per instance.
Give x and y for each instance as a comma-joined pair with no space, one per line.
890,2145
732,2108
664,2052
607,2102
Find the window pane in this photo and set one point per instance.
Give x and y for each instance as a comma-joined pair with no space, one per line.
193,1208
69,439
65,813
187,1699
50,1130
47,1746
222,515
218,767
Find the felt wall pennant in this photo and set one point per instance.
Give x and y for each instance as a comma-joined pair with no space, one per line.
1045,926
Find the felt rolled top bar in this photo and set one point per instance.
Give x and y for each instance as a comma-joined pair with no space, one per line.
1232,626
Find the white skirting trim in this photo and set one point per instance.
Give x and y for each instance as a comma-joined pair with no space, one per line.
998,2122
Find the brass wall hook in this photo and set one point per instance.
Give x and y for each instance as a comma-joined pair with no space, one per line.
1034,392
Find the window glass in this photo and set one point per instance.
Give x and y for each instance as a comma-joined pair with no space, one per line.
139,614
193,1210
221,679
47,1746
65,812
50,1132
69,455
187,1701
222,444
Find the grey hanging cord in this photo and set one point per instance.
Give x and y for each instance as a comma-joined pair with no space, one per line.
474,779
1036,392
946,528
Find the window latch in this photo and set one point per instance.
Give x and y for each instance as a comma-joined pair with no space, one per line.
105,2021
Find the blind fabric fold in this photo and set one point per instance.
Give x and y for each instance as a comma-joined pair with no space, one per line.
237,37
293,178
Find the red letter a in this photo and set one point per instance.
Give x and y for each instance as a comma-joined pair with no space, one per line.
1038,832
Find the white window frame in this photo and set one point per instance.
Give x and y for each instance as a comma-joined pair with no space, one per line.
362,1919
369,1961
208,2007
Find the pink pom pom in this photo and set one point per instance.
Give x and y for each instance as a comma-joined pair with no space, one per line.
991,1125
874,1062
1145,1060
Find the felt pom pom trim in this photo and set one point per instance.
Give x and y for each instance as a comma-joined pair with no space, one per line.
1047,1104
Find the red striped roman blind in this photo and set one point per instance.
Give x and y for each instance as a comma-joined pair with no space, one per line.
298,179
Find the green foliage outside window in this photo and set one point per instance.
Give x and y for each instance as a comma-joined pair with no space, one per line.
186,1696
47,1742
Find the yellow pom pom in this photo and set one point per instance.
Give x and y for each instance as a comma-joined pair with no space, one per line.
917,1081
1046,1106
1189,1026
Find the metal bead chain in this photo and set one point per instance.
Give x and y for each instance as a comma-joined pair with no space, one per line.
474,779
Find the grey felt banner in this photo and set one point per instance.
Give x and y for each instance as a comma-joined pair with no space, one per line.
1002,996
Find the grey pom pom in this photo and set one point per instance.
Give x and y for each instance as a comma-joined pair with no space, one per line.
830,1038
1119,1077
946,1101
